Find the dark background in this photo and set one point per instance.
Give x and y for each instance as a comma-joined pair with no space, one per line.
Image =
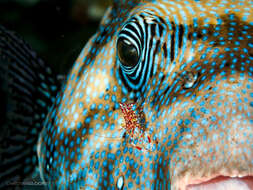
56,29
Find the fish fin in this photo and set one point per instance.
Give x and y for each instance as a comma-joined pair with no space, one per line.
28,88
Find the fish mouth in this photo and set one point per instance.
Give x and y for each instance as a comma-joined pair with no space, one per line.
235,182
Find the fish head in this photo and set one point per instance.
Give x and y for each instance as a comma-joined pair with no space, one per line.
160,97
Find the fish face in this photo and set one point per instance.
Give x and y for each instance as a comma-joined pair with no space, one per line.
160,98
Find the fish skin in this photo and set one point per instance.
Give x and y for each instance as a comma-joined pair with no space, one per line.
203,125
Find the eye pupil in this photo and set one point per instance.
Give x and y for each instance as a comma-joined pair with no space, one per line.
127,52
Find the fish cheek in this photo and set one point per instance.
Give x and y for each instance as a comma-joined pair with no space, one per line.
82,128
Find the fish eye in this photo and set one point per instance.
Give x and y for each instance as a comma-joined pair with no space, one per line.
127,52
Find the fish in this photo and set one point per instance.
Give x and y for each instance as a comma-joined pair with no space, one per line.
159,98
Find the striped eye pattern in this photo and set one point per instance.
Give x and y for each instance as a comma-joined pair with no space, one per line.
136,48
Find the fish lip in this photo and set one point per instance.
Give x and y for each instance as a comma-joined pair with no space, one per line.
189,181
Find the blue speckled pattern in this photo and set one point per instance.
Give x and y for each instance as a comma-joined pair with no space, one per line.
192,81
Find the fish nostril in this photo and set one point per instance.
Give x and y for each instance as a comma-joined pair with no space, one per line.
189,79
120,183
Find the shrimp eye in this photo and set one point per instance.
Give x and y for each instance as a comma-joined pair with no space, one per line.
127,52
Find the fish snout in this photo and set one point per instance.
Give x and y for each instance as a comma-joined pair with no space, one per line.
212,135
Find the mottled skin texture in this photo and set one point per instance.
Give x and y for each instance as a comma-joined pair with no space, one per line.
204,127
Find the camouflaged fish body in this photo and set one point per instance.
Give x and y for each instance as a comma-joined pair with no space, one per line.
190,68
183,70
